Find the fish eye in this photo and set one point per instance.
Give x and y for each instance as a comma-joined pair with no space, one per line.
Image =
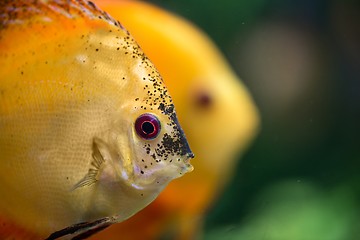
203,99
147,126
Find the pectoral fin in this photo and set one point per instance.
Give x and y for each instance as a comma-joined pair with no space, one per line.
92,176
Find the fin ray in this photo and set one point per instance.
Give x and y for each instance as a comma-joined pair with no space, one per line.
98,160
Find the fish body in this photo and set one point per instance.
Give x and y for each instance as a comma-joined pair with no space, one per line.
88,128
216,111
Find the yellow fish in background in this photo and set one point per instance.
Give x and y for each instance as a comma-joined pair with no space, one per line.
213,106
88,130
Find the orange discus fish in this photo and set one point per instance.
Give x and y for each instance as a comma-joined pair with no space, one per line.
213,106
88,131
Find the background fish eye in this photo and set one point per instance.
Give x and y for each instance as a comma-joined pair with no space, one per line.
147,126
204,100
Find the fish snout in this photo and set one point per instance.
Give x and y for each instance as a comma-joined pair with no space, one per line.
187,157
186,150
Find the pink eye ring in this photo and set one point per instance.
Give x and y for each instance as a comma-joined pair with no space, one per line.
147,126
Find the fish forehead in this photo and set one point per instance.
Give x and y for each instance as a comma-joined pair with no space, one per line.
20,11
93,34
44,18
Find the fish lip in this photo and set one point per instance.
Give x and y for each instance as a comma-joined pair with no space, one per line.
188,156
186,160
187,167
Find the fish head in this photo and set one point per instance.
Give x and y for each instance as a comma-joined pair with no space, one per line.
144,139
156,147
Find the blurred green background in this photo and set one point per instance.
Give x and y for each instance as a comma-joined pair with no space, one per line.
301,61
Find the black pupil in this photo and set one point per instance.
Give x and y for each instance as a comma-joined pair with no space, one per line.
147,127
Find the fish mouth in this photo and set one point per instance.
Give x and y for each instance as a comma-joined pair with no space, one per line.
190,155
187,167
